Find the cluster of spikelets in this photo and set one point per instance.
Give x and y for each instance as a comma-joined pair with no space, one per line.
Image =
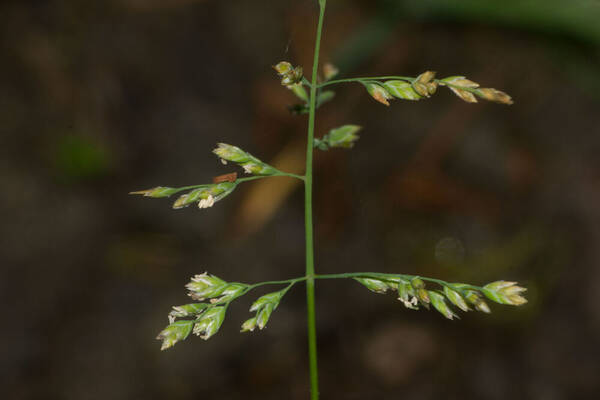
247,161
424,86
412,292
214,295
205,319
289,74
291,78
207,195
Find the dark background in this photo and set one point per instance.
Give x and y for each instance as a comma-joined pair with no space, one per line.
101,98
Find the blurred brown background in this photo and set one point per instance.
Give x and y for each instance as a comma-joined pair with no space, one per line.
101,98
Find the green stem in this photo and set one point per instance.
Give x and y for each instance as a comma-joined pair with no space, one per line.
310,262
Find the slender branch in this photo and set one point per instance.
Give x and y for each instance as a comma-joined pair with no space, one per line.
288,281
347,275
301,177
371,78
389,277
241,180
251,178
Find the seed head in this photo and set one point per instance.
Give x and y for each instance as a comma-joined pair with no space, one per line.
159,191
439,303
379,93
205,286
457,83
209,323
374,285
456,299
344,136
289,75
330,71
417,283
264,307
494,95
249,325
423,84
228,152
186,310
401,90
407,295
292,77
475,299
174,333
283,67
504,292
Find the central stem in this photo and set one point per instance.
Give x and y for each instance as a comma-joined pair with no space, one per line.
310,258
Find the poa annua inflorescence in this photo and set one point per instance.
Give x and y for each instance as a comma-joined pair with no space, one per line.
212,295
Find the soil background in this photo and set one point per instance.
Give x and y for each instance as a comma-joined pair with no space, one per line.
101,98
